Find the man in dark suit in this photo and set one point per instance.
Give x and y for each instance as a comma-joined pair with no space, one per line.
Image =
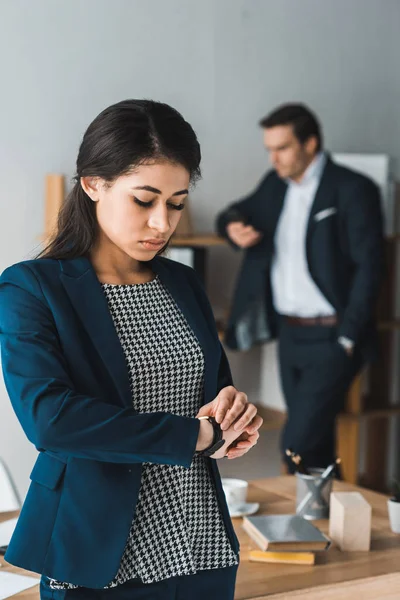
312,235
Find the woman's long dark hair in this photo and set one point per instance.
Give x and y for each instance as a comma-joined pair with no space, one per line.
122,137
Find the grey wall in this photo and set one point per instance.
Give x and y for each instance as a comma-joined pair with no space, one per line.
223,63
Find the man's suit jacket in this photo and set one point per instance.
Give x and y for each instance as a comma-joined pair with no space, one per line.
68,381
344,249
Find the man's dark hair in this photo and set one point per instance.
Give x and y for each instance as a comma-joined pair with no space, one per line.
303,121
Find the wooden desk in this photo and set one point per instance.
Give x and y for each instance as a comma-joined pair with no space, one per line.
260,581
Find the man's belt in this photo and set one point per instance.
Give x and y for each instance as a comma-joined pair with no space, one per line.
327,321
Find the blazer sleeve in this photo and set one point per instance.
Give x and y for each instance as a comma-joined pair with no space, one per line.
53,414
364,228
242,210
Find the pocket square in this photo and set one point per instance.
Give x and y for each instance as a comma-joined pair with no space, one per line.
323,214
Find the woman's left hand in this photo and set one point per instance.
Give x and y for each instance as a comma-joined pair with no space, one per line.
246,440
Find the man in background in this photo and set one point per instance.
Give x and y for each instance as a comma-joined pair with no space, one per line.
312,235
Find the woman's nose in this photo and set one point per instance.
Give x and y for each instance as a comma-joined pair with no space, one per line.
159,219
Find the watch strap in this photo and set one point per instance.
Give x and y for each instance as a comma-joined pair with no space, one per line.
217,441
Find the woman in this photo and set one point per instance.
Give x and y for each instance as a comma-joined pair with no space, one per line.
113,365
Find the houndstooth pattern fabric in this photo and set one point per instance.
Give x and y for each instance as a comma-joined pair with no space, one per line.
178,528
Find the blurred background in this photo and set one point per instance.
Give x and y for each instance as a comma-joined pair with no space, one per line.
223,64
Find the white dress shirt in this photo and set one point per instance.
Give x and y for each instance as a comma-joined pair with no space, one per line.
294,291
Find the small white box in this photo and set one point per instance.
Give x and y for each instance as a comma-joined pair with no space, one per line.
350,521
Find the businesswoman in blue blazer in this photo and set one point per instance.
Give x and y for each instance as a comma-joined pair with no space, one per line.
112,363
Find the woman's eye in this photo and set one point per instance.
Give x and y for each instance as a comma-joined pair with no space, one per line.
150,203
177,206
140,203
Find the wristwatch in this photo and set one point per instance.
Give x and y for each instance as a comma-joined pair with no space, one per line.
218,440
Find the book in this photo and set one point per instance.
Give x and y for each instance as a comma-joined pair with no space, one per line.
289,533
289,558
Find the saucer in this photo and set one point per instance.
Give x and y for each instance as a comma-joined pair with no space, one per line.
248,508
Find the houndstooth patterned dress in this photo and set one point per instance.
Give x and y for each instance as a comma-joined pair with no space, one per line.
178,528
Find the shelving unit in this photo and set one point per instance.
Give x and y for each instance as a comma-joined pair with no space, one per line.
371,411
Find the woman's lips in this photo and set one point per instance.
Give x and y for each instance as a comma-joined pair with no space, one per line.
153,244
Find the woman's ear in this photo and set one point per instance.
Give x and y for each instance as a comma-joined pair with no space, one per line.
91,186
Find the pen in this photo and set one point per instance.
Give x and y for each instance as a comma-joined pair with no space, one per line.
330,468
297,460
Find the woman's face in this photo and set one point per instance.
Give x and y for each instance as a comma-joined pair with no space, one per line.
139,212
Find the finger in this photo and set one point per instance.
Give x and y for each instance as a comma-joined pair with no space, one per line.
249,235
236,230
237,408
243,243
250,231
224,401
246,418
205,410
221,410
243,445
239,227
255,424
249,241
249,443
241,451
236,453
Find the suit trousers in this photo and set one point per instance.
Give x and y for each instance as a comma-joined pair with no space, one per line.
316,373
212,584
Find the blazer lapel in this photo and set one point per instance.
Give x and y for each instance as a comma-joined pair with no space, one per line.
84,290
324,195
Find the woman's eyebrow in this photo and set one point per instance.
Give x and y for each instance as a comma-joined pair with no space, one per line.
149,188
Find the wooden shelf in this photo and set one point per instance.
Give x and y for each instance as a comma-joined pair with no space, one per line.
275,419
389,325
201,240
372,413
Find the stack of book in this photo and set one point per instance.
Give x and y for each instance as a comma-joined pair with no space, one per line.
285,539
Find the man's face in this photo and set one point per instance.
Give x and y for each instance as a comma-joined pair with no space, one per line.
288,156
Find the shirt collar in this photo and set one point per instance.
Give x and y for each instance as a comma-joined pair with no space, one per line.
313,171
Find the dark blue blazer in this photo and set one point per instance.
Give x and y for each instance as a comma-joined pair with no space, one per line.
67,378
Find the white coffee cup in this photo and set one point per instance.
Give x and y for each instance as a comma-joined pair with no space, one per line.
235,492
